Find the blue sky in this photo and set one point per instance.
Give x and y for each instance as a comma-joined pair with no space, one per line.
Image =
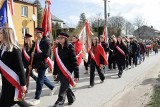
69,10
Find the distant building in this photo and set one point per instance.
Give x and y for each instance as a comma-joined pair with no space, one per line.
145,32
60,24
23,21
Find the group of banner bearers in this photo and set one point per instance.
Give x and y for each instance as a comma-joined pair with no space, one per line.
67,58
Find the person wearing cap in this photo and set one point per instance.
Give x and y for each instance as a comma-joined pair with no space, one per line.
65,62
27,49
39,62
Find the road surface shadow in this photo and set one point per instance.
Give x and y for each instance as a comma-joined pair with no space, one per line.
150,81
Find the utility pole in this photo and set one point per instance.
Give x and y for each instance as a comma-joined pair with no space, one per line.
105,12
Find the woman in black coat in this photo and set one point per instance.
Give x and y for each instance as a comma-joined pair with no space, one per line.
28,48
10,56
66,54
120,52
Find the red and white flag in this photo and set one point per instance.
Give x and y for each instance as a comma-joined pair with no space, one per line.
105,34
10,22
46,23
11,6
85,38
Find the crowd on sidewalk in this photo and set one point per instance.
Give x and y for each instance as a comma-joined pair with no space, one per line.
17,63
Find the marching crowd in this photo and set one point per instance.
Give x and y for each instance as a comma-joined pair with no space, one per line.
120,53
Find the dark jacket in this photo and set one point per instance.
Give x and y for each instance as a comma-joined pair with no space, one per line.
39,58
68,57
134,48
119,56
29,52
105,46
14,61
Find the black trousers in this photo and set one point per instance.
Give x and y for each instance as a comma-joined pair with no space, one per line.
92,72
23,103
127,61
111,62
120,64
65,90
134,58
86,65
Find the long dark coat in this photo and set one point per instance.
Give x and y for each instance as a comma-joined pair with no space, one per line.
14,61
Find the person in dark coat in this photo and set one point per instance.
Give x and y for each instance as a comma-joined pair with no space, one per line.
134,52
66,54
97,59
120,52
111,58
9,54
28,48
103,43
143,50
41,65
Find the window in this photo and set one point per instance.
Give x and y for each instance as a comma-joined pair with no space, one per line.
25,11
24,31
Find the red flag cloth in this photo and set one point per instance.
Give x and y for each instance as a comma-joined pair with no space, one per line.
89,32
78,51
11,6
44,23
49,20
105,33
48,1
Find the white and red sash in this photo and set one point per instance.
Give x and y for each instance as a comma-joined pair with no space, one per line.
93,57
64,70
120,50
27,57
79,54
47,60
13,78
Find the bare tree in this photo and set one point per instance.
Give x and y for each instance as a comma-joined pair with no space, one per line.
116,25
139,22
129,28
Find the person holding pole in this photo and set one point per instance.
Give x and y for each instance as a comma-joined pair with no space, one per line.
41,61
27,49
65,63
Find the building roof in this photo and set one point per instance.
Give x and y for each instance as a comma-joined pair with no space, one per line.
56,19
31,2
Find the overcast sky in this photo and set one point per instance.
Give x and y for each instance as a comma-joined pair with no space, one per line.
70,10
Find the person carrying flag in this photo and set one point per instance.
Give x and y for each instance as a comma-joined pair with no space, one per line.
41,63
65,63
27,49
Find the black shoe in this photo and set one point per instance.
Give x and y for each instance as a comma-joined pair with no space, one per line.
70,103
119,75
58,104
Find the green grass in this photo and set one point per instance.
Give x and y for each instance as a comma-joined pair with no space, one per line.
155,99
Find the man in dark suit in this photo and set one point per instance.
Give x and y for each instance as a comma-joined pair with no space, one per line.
40,64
